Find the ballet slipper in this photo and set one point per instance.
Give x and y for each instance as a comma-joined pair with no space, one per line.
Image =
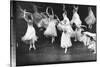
53,39
75,38
30,47
17,44
34,47
65,50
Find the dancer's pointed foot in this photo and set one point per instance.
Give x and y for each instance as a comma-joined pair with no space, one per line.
53,39
34,47
65,50
30,47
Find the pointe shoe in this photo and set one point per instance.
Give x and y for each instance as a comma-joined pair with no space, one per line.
65,50
34,48
52,41
30,48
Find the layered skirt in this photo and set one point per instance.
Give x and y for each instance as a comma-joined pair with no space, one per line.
51,30
65,40
30,34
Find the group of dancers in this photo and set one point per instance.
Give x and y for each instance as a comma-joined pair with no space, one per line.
47,21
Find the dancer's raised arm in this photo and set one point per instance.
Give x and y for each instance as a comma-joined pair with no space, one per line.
48,12
64,9
25,15
57,18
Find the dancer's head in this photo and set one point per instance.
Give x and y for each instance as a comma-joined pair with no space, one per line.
75,9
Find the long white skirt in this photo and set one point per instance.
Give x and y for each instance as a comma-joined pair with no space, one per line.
51,30
90,19
76,19
65,40
30,34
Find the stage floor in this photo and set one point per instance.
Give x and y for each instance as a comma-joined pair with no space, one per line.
52,53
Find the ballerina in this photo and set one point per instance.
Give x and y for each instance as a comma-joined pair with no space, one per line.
44,21
91,43
65,26
90,19
66,19
30,34
85,37
51,29
36,15
76,18
66,35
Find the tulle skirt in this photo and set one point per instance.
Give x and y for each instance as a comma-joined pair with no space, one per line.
90,20
77,22
65,40
51,30
30,34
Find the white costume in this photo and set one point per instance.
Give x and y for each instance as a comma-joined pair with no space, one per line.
66,36
76,19
65,26
51,29
91,43
78,33
85,39
43,23
90,19
93,35
50,24
65,40
30,34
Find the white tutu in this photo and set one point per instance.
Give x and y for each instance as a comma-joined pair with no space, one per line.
51,29
65,40
30,34
43,23
76,19
66,35
90,19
